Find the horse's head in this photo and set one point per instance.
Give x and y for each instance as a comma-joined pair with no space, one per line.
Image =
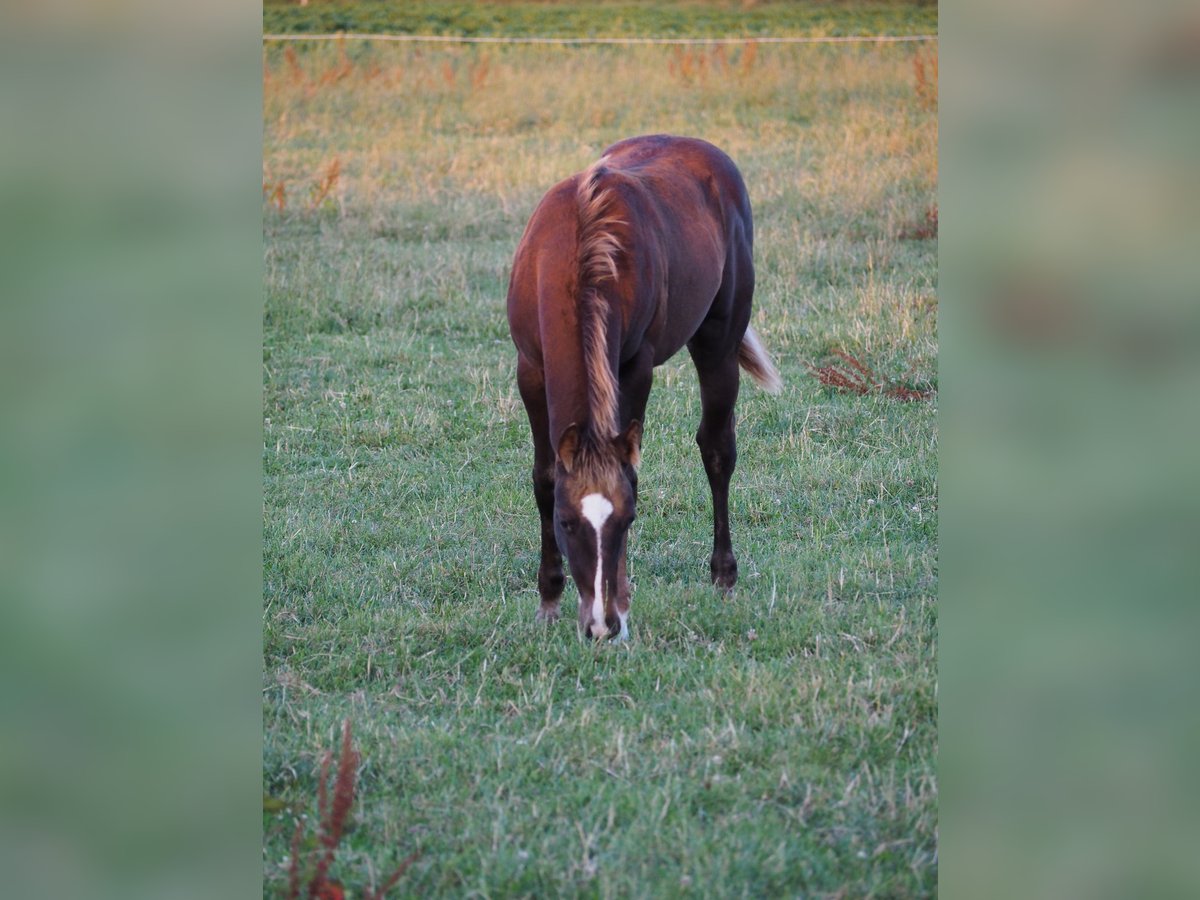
595,495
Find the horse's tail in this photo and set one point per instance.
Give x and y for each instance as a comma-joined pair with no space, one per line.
757,362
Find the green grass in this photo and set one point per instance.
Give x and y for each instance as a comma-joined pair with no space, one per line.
781,742
611,18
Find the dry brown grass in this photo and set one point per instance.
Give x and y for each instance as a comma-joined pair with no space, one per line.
925,76
508,122
697,65
856,377
924,230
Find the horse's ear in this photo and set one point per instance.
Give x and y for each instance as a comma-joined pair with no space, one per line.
630,444
568,446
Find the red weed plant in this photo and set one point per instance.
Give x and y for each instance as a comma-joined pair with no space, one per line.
720,58
275,193
293,64
326,182
694,66
925,74
924,231
478,72
856,377
343,69
682,64
333,815
749,54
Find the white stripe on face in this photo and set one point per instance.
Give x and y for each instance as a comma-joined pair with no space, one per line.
596,509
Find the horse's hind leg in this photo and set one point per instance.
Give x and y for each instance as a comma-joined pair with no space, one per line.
718,448
550,572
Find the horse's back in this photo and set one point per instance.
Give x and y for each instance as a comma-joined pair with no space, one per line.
669,158
653,150
699,224
679,212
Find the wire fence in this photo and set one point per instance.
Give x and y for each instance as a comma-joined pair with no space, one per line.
628,41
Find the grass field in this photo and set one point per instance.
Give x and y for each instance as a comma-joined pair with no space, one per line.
574,18
781,742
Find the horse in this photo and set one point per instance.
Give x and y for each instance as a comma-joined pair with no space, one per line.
620,266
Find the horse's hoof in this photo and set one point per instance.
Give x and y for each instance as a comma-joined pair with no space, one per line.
724,574
547,614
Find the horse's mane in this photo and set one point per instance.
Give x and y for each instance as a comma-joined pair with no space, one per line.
599,246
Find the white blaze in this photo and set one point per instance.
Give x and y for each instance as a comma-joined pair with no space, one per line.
596,509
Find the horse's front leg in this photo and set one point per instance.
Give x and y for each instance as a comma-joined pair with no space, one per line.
637,376
550,571
718,449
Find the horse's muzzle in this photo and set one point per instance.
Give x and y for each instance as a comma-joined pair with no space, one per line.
613,624
610,630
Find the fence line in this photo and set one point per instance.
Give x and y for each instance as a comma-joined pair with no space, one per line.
455,39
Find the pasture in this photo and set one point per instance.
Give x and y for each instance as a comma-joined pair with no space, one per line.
778,742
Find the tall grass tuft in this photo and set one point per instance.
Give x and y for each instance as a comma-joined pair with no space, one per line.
333,817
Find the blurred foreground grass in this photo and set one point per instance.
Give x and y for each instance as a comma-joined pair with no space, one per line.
1071,511
132,366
